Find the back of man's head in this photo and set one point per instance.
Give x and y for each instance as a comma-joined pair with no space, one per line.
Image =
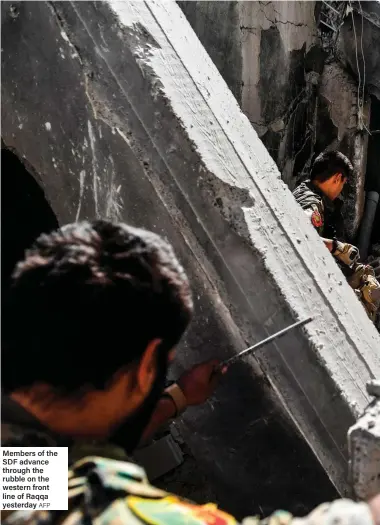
86,301
330,163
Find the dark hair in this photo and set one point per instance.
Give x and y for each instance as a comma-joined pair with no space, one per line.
86,301
329,163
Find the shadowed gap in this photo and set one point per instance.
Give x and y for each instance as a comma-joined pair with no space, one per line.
25,213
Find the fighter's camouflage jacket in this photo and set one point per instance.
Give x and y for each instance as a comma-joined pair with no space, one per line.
324,216
322,212
104,491
109,492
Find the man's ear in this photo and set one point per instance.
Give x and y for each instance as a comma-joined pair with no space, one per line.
147,368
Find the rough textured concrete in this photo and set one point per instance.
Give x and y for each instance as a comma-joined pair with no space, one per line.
358,44
338,94
270,42
291,84
122,114
217,25
364,448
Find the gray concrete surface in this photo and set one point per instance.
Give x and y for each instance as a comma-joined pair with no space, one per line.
358,45
286,76
217,25
119,112
364,448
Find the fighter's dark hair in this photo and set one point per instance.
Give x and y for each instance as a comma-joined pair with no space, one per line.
86,301
329,163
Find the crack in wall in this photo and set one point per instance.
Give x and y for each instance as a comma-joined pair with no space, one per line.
277,20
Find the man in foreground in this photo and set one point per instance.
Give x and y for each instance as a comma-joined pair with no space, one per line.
94,316
79,340
317,197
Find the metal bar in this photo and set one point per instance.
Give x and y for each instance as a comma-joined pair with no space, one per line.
328,25
331,7
260,344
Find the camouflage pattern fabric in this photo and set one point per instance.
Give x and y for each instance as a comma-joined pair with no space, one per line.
105,491
312,203
362,279
109,492
367,288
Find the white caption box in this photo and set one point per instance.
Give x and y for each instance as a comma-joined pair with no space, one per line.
34,478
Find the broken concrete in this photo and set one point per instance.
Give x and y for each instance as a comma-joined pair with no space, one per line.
338,94
364,448
123,115
291,83
358,45
217,25
270,41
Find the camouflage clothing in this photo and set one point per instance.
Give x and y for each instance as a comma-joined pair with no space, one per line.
104,491
108,492
324,214
367,288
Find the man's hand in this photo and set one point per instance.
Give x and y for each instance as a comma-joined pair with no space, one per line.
346,253
197,385
199,382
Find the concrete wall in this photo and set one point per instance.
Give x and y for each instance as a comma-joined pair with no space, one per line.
358,45
290,86
120,113
271,43
217,25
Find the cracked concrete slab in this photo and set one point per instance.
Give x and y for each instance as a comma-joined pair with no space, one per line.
123,114
283,59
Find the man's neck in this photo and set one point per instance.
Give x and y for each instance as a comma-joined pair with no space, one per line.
61,418
320,188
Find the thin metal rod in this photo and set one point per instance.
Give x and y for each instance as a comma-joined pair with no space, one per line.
330,7
260,344
328,25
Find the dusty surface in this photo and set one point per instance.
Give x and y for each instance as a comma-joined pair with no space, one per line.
359,44
364,446
123,115
283,69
